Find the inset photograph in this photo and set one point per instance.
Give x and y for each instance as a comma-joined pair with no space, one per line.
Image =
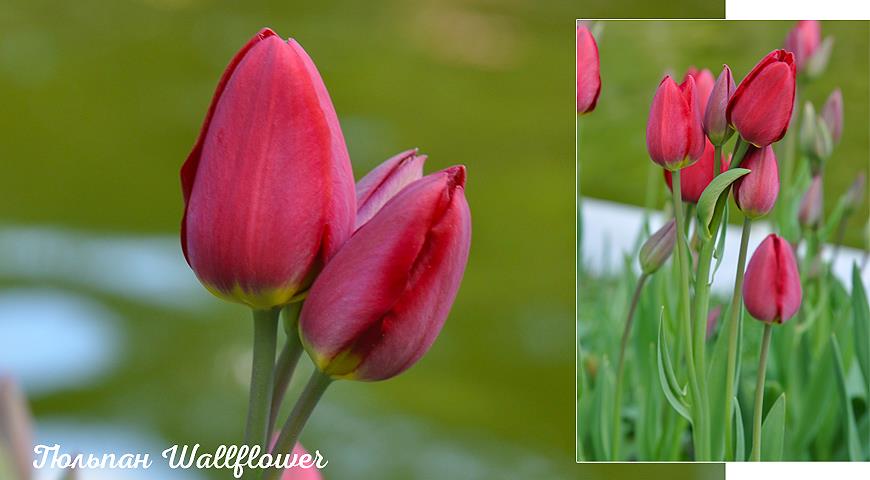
722,222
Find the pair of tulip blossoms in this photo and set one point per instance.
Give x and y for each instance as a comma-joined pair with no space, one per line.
688,125
365,274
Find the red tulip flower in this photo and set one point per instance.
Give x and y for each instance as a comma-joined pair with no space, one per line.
803,41
674,137
381,301
715,120
755,193
588,71
832,112
772,286
385,181
695,178
810,210
704,82
761,107
268,187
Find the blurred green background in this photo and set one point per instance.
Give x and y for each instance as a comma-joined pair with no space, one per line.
645,9
118,345
636,54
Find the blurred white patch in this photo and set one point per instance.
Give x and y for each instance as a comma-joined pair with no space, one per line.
149,269
51,340
611,230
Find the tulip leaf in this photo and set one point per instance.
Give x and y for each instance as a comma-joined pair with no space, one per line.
773,431
740,445
605,386
667,378
817,395
861,315
852,442
711,196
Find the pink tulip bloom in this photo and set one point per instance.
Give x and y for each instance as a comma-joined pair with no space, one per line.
761,107
268,188
715,120
772,286
380,303
674,137
588,71
695,178
755,193
385,181
803,41
704,82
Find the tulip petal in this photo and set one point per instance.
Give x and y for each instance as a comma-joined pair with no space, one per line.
385,181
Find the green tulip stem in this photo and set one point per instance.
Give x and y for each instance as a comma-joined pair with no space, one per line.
620,370
759,394
287,361
685,315
265,340
298,417
734,320
717,160
740,149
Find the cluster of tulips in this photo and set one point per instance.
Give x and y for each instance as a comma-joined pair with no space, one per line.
365,273
689,129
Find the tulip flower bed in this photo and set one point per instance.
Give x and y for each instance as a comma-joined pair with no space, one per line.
780,368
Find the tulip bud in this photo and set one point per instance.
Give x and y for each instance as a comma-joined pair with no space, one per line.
268,187
772,286
588,71
761,107
380,302
755,193
715,122
810,211
855,194
695,178
384,182
674,137
703,86
832,112
657,248
803,40
817,63
815,138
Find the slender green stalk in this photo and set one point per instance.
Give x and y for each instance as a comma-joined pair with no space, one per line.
287,361
717,160
733,332
699,424
298,417
620,370
740,149
759,394
265,340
